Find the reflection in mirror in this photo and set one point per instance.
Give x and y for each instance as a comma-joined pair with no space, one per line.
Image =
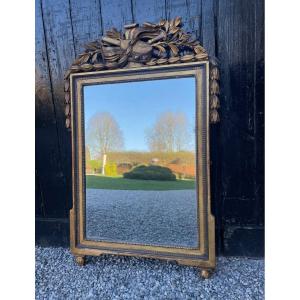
140,162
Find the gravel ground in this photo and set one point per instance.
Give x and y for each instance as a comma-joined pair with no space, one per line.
117,277
166,218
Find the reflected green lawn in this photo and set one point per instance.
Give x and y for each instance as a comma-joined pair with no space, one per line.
120,183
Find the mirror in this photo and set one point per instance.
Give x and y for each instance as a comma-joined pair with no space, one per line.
140,157
138,106
140,162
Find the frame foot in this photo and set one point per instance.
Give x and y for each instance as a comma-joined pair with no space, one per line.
80,259
206,273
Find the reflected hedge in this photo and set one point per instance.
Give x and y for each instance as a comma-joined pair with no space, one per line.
150,173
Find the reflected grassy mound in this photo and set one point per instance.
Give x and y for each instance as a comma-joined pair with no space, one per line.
150,173
120,183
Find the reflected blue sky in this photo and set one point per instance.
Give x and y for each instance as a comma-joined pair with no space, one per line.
136,105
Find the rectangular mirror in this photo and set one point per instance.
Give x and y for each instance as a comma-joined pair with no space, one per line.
140,162
140,142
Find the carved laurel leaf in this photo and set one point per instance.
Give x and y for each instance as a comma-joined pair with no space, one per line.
184,38
94,57
172,23
68,123
214,102
151,25
160,48
214,116
167,25
162,23
113,33
175,37
123,60
214,87
86,67
152,62
174,30
177,21
201,56
214,73
67,97
174,59
199,49
92,46
78,59
67,74
75,68
174,49
67,110
67,86
162,61
99,67
85,58
187,58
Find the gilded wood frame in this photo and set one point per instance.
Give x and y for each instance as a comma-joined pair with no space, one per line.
204,255
149,51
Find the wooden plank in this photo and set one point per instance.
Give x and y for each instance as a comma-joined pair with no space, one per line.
116,14
59,38
61,53
86,22
236,45
208,26
50,185
190,11
148,11
39,201
44,104
208,40
259,110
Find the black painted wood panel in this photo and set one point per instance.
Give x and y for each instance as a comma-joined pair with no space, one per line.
190,11
50,178
61,53
259,107
153,11
116,14
233,32
236,52
85,29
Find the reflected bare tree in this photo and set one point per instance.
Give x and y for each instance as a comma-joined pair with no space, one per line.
169,134
104,135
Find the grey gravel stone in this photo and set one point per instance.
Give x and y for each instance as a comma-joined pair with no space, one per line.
119,277
167,218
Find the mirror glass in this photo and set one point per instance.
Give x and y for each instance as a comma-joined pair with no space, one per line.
140,162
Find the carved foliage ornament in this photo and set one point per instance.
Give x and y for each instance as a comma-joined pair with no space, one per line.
141,46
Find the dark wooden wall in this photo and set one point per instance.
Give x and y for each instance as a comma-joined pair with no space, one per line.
231,30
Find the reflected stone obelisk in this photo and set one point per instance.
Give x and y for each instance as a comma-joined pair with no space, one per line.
103,164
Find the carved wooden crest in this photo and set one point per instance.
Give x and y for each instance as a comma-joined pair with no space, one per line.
140,46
